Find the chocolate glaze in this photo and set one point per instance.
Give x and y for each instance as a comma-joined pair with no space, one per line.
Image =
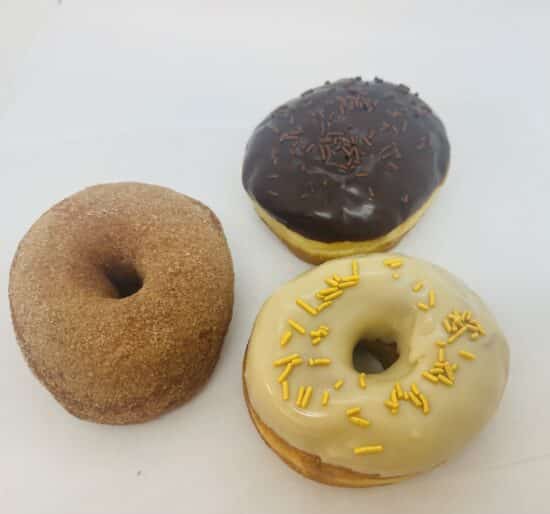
347,161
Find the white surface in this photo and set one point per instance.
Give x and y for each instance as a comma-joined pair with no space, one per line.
169,94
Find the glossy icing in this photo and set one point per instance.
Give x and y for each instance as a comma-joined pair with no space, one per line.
347,161
378,307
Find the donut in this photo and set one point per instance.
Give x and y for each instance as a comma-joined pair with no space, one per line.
371,370
346,168
120,297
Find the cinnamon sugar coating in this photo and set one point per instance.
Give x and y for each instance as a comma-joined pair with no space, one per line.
121,296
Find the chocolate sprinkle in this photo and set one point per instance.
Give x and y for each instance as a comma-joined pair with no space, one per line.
366,155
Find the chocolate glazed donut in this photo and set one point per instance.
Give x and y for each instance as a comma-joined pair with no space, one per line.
346,164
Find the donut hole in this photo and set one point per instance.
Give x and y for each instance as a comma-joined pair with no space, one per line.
124,278
374,355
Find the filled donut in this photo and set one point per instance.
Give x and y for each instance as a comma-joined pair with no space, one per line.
346,168
368,371
121,296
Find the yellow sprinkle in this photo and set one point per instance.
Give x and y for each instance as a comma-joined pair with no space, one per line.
310,362
348,283
391,405
422,306
472,327
392,260
418,286
331,282
449,371
476,325
285,390
430,377
436,371
350,278
323,306
297,361
456,335
316,341
334,295
441,355
328,290
322,362
367,450
314,333
336,277
455,316
354,268
296,326
283,376
439,365
326,397
398,390
362,422
308,308
393,263
362,380
441,344
307,397
301,392
286,338
466,315
405,395
431,298
285,360
414,398
415,389
323,327
425,404
474,336
338,384
353,411
447,326
467,355
393,396
395,276
454,367
445,380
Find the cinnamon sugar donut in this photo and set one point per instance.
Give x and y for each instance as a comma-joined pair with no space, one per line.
121,296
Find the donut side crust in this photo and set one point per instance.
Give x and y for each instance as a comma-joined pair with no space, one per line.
317,252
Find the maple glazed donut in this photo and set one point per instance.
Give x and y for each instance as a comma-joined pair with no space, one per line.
346,168
121,296
328,415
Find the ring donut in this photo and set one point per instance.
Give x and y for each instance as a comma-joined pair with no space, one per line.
121,296
317,403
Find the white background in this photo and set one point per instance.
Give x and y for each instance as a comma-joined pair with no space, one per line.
168,93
